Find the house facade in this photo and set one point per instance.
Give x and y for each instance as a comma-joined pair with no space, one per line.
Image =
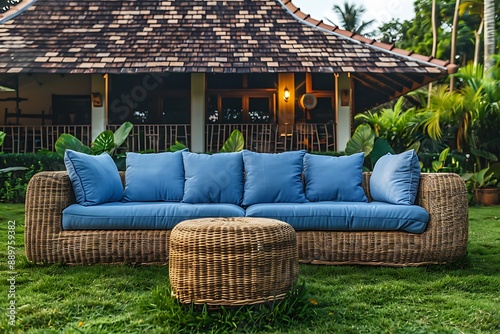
193,71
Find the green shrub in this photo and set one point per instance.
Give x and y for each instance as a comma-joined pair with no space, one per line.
455,162
43,161
13,184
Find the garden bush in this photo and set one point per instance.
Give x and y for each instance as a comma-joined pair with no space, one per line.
455,162
13,184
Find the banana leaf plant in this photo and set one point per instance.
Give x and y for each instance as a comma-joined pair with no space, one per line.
488,177
235,142
365,140
106,141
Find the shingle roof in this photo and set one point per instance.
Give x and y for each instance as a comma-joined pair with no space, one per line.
189,36
211,36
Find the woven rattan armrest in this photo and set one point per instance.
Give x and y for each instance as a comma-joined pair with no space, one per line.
444,197
47,195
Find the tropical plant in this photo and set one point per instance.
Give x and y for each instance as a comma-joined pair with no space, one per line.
398,126
476,8
106,141
437,165
418,32
235,142
365,140
485,178
473,110
350,17
8,169
447,107
2,137
394,31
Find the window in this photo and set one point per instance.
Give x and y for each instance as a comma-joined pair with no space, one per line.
322,86
241,98
153,98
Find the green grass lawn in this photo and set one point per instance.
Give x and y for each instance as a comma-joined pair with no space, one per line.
457,298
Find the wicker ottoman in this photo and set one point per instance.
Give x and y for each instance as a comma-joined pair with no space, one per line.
232,261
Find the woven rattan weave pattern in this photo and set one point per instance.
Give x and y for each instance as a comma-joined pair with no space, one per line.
443,195
232,261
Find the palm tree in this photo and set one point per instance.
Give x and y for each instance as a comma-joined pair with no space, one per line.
350,17
473,110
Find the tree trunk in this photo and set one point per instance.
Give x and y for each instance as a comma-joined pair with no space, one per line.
454,43
489,34
477,35
434,44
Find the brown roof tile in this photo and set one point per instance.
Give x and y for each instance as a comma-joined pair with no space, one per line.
190,36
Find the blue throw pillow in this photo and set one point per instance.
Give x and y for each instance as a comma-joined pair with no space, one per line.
154,177
334,178
395,178
216,178
95,178
273,177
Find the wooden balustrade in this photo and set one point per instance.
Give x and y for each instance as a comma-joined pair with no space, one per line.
156,137
159,137
31,139
274,137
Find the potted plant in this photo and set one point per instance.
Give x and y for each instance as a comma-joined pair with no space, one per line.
485,185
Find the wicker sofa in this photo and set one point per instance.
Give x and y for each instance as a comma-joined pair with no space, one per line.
445,239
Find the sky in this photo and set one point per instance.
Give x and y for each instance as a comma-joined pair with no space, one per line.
380,10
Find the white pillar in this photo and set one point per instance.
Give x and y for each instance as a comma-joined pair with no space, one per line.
99,114
198,112
344,111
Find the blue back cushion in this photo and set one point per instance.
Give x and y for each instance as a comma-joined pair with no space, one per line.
216,178
154,177
95,178
273,178
334,178
395,178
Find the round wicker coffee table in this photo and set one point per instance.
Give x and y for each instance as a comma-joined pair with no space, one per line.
232,261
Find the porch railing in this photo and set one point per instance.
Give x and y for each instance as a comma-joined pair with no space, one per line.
156,137
159,137
274,137
31,139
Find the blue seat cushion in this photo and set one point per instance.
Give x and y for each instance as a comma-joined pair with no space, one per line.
345,216
141,215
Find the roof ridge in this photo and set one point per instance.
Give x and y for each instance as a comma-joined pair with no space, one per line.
306,18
